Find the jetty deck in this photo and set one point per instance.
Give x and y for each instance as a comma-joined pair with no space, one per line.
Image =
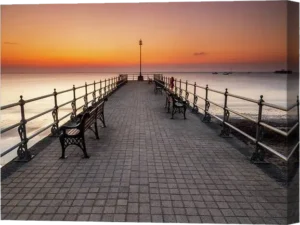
145,167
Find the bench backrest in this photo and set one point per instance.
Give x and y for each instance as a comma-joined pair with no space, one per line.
100,109
89,116
159,83
89,120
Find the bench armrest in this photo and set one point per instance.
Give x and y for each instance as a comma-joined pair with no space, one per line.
63,129
70,127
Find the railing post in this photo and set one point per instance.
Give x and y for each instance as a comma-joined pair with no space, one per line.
259,153
180,90
167,87
195,107
206,117
23,152
175,81
167,83
73,104
186,93
85,98
114,86
225,132
100,91
94,94
54,129
109,88
105,87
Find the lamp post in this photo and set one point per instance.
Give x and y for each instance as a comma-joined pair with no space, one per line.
140,77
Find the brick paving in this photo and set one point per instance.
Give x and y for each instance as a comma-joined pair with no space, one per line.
144,168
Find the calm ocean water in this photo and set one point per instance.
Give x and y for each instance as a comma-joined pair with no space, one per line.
251,85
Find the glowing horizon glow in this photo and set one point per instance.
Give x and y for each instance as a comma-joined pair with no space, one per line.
105,35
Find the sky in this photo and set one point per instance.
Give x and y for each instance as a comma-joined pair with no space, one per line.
188,36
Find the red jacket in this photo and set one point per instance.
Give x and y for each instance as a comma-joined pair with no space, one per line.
172,82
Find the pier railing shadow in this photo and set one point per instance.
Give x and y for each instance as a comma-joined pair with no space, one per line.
106,87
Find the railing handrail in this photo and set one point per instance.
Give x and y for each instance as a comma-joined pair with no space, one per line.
286,109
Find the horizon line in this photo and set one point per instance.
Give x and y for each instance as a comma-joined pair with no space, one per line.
137,73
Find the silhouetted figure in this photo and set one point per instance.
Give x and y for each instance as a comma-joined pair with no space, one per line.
172,83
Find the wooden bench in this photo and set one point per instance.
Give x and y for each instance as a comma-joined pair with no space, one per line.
159,86
73,133
178,105
100,112
150,80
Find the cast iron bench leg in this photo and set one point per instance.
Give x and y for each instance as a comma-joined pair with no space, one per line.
84,149
63,148
173,112
96,130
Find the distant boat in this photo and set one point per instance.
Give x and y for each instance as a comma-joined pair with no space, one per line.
214,73
283,71
226,73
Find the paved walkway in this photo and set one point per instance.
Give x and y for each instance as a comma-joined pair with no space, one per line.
145,167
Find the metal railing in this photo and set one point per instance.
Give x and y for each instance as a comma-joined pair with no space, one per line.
146,76
107,87
259,153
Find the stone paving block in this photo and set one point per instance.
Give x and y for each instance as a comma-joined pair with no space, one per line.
181,219
207,219
60,217
48,217
156,218
169,219
95,218
12,216
167,211
132,218
133,208
74,209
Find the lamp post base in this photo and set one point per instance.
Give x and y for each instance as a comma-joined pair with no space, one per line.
140,77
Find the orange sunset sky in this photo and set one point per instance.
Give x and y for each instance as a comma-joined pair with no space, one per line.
190,36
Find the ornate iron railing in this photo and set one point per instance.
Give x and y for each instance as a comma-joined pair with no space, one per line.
260,147
107,87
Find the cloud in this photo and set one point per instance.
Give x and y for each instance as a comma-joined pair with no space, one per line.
199,53
10,43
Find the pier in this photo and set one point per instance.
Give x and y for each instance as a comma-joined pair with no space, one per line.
145,167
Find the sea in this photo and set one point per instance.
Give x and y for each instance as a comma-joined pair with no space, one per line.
278,89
